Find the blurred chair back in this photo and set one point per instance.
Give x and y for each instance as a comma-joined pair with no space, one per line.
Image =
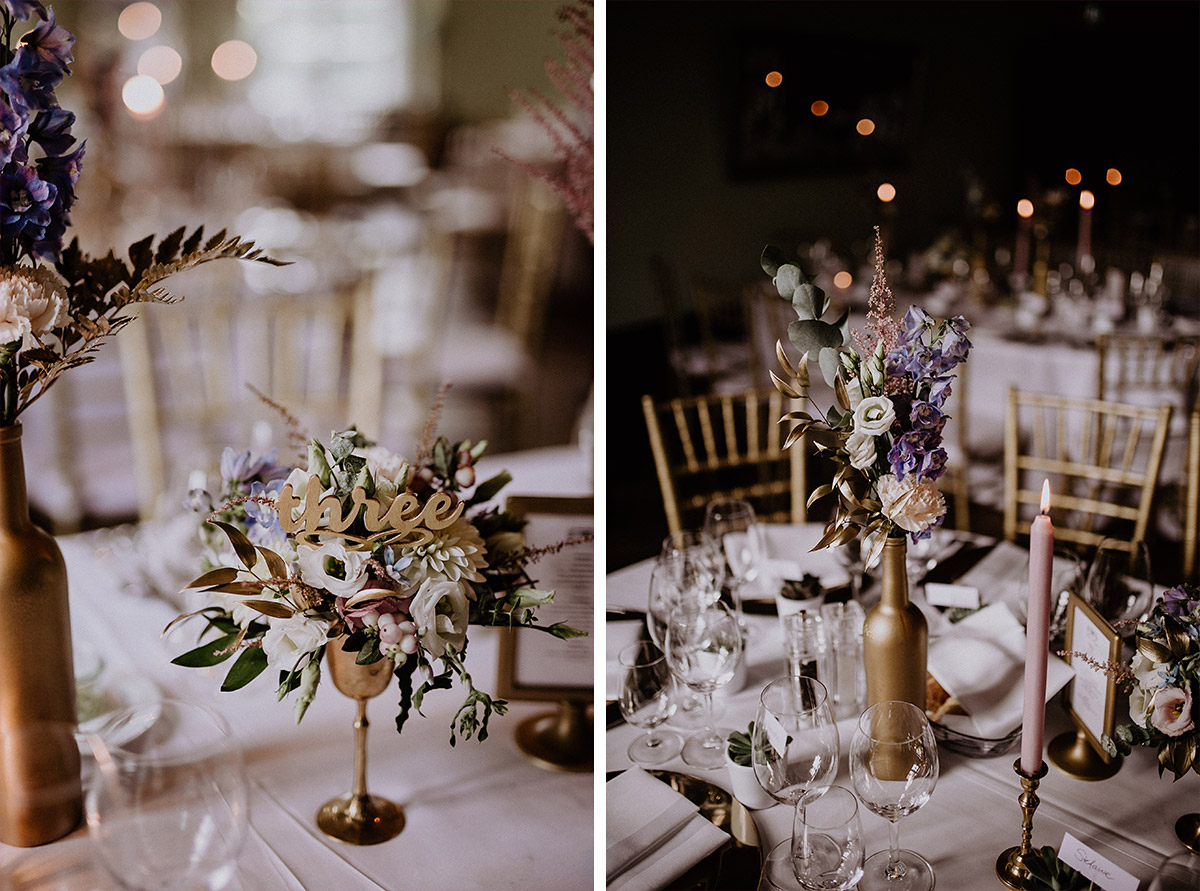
1191,501
955,481
1144,368
530,262
728,446
188,369
1102,460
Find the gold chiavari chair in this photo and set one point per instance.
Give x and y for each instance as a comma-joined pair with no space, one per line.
188,369
1150,370
1102,460
726,446
1130,366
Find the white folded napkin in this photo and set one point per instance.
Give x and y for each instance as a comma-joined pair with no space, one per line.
651,833
1003,575
981,662
789,555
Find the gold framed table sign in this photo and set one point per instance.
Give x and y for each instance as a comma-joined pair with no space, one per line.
537,666
1091,699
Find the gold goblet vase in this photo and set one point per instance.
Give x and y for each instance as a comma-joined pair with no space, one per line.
359,818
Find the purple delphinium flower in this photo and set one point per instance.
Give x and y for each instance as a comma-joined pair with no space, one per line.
926,416
1181,601
51,129
25,202
62,172
50,44
240,468
23,9
264,515
12,132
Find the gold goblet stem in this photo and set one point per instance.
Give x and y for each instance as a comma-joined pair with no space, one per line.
359,818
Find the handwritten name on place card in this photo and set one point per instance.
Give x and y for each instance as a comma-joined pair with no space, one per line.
1093,867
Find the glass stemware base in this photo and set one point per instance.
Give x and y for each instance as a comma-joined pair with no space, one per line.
700,751
663,746
778,873
918,873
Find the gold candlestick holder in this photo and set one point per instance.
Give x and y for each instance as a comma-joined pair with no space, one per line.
1011,866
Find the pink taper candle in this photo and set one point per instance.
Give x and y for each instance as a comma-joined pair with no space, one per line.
1037,635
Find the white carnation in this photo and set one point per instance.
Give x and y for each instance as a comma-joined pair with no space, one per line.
912,506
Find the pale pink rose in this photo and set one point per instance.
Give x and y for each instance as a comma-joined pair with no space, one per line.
1172,711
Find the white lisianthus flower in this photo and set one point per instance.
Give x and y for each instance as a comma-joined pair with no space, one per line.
854,392
288,639
383,463
456,552
874,416
912,506
332,566
440,611
861,447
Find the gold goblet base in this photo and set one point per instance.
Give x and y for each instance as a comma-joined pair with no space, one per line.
559,740
1187,830
360,819
1075,756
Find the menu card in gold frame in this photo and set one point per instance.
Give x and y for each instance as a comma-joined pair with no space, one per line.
534,665
539,666
1091,699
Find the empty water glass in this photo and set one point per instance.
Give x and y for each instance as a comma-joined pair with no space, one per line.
845,675
827,842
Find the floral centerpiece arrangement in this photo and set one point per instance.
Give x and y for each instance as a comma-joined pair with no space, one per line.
365,551
57,305
890,383
1163,678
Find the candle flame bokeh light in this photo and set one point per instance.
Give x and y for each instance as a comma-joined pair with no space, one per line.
1087,200
1046,496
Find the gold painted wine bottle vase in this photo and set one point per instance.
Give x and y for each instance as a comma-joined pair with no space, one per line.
359,818
41,795
895,635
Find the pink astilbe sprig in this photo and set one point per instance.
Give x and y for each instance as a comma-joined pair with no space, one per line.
573,176
882,324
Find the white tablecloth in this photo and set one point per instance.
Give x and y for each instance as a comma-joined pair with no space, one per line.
973,814
479,815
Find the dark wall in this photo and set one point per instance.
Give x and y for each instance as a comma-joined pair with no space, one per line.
984,103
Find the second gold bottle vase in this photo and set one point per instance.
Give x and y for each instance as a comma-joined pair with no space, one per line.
359,818
895,635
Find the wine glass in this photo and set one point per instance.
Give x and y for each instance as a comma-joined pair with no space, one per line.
894,766
645,701
1119,583
827,842
734,525
704,648
695,558
673,586
794,748
167,806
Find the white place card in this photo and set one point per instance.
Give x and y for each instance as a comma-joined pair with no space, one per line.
962,596
1094,867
